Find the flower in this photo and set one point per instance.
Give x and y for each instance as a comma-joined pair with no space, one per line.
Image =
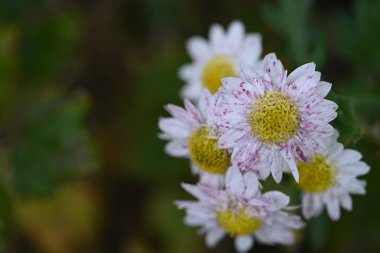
330,178
240,211
192,133
275,117
218,58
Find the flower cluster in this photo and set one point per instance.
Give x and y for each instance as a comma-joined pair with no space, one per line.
246,119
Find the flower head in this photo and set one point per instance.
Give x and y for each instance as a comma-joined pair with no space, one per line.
192,133
275,117
330,178
220,57
240,211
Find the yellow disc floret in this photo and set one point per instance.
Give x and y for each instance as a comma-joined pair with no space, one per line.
316,176
274,118
237,223
218,67
205,153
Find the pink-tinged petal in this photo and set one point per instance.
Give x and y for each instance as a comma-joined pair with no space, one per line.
323,106
332,204
251,185
312,205
349,156
276,166
235,35
358,168
177,148
256,85
184,116
234,182
274,234
191,90
198,48
303,70
322,89
304,86
212,180
279,200
193,111
260,201
251,49
214,236
174,127
289,158
346,202
243,243
317,128
274,68
216,35
202,193
230,84
230,138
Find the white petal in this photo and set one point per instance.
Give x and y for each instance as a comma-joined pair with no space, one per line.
198,48
349,156
346,202
177,148
358,168
214,236
243,243
301,71
235,34
191,90
333,209
234,181
279,200
216,35
252,49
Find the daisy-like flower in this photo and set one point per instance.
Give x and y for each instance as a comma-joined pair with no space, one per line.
219,57
192,133
330,178
275,117
241,212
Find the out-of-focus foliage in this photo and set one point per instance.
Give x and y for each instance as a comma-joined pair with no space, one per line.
82,84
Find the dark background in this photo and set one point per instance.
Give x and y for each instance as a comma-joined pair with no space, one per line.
83,83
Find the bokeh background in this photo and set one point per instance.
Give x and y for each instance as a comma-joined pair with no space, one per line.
83,83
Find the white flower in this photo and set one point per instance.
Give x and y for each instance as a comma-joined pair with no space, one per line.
330,178
192,133
275,117
218,58
241,212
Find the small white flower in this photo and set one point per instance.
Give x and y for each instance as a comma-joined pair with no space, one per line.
192,133
330,178
275,117
219,57
240,211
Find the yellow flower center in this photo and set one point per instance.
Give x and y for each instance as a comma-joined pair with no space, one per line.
205,153
316,176
218,67
274,117
237,223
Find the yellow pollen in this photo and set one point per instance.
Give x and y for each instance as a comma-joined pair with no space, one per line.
205,153
316,176
218,67
237,223
274,118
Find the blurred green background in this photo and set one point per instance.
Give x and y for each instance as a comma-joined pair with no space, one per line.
83,83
